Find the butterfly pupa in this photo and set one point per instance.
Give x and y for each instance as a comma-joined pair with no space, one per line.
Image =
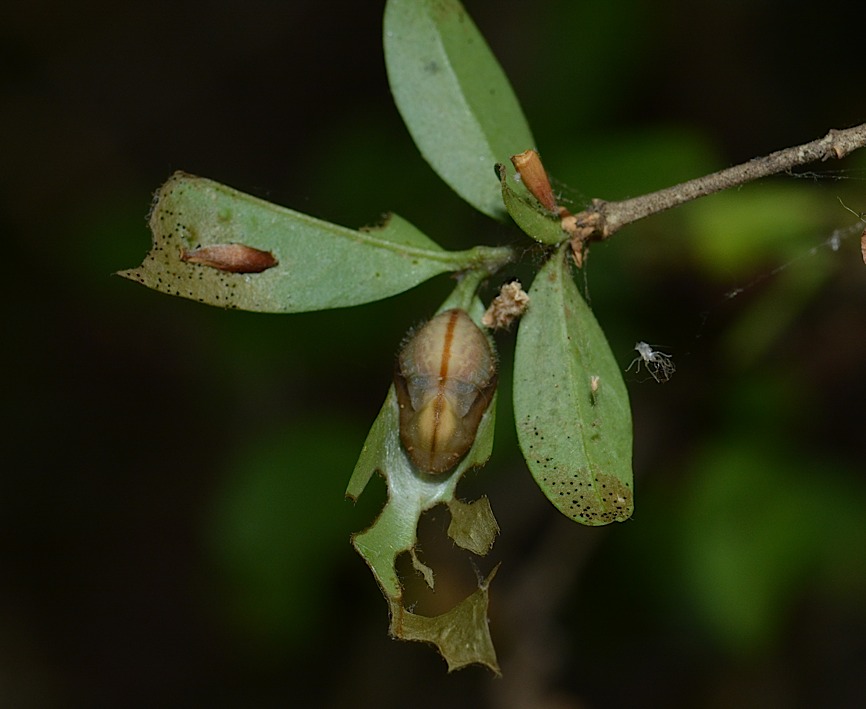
445,378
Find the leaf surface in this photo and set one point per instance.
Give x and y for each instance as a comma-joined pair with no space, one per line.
410,493
454,97
461,634
528,214
570,403
319,265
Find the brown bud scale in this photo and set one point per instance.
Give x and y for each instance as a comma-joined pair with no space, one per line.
445,379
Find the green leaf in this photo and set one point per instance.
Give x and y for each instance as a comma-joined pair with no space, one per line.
462,635
454,97
410,493
570,403
473,525
319,265
528,214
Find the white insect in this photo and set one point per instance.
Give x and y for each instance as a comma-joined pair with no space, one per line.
658,364
594,383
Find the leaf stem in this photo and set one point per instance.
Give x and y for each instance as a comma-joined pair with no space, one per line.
488,259
602,219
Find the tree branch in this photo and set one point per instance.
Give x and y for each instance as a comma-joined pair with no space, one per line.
602,219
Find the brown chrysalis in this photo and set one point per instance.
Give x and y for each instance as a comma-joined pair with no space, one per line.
445,379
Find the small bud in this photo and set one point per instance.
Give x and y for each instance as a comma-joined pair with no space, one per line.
533,175
445,379
234,258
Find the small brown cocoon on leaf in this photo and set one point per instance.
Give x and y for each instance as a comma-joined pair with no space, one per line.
445,379
234,258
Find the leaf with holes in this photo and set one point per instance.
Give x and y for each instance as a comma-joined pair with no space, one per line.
570,403
412,491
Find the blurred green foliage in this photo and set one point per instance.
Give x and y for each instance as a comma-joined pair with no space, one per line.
275,538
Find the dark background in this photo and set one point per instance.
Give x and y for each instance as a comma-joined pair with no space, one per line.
173,526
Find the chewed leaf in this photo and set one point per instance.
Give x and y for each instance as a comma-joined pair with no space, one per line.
453,96
375,453
410,491
570,403
473,525
409,494
223,247
462,635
